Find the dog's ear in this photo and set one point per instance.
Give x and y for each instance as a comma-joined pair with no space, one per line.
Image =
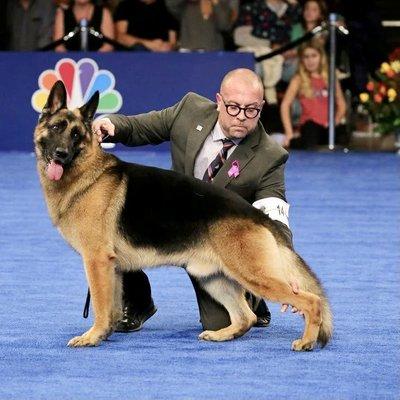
57,99
89,109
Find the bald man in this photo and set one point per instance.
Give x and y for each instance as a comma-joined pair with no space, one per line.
223,143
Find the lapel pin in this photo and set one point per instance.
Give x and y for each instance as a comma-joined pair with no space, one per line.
234,170
199,128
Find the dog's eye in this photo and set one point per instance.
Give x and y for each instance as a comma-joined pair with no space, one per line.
75,134
54,127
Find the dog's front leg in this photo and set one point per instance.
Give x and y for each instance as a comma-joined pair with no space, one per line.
100,272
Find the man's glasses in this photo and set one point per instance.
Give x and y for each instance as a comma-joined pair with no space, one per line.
233,110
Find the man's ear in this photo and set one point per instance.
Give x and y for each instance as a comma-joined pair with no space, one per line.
57,99
219,99
89,109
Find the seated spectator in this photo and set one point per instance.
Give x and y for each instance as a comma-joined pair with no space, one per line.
271,19
202,23
145,25
97,17
264,26
313,14
310,86
29,24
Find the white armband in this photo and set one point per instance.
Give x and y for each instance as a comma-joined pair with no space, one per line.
275,208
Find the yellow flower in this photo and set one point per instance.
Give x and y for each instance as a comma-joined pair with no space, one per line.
364,97
395,65
385,67
392,94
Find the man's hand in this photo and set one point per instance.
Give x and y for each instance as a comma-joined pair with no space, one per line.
295,288
103,127
286,140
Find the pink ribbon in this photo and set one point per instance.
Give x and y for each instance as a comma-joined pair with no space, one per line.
234,170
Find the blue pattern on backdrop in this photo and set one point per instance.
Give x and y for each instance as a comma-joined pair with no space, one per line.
146,81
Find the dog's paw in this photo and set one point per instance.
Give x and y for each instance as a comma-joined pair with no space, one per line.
88,339
302,345
215,336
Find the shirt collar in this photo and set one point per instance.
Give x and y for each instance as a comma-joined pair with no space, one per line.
217,134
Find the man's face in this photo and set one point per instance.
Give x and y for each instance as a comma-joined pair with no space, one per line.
229,100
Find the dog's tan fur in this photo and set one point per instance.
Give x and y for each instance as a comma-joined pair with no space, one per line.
85,206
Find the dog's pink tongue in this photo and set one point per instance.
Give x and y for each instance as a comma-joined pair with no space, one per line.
54,171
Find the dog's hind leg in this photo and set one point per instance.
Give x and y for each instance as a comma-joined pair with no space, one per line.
100,272
231,296
275,289
258,280
251,256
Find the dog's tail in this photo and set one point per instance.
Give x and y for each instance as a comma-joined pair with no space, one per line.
298,271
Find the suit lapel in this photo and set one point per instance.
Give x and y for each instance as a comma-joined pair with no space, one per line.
196,138
243,154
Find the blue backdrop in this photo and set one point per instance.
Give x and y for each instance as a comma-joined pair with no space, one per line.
143,81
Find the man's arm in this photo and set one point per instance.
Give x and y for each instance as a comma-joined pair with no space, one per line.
270,197
222,14
137,130
271,200
45,33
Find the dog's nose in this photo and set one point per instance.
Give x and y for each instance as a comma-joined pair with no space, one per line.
61,154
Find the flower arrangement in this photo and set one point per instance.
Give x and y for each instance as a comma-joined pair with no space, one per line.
382,98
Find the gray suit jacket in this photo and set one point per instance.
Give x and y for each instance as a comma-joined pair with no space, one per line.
261,160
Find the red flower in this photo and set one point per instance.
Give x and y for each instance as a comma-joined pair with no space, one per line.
390,73
370,86
382,89
378,98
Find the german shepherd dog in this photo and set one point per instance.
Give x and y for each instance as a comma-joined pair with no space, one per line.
120,217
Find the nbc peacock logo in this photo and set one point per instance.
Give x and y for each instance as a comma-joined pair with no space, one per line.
81,80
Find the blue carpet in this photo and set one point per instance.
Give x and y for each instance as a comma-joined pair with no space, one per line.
345,221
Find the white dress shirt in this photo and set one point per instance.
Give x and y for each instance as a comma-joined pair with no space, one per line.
211,147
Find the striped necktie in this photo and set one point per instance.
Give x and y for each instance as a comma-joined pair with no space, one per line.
218,161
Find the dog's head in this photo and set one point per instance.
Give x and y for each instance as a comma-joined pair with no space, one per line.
61,135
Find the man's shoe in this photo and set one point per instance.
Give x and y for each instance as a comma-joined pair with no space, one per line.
263,315
133,320
262,322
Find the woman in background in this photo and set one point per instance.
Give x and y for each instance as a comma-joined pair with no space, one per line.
310,86
203,23
97,17
314,13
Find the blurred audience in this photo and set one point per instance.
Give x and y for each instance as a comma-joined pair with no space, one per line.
203,22
145,25
366,46
97,17
264,26
310,86
271,20
314,12
29,24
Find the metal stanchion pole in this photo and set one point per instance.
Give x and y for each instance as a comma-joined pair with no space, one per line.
332,80
84,34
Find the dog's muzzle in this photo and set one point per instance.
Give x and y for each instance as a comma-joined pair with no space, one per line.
55,168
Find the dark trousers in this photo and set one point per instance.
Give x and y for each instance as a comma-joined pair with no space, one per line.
213,316
137,290
313,135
